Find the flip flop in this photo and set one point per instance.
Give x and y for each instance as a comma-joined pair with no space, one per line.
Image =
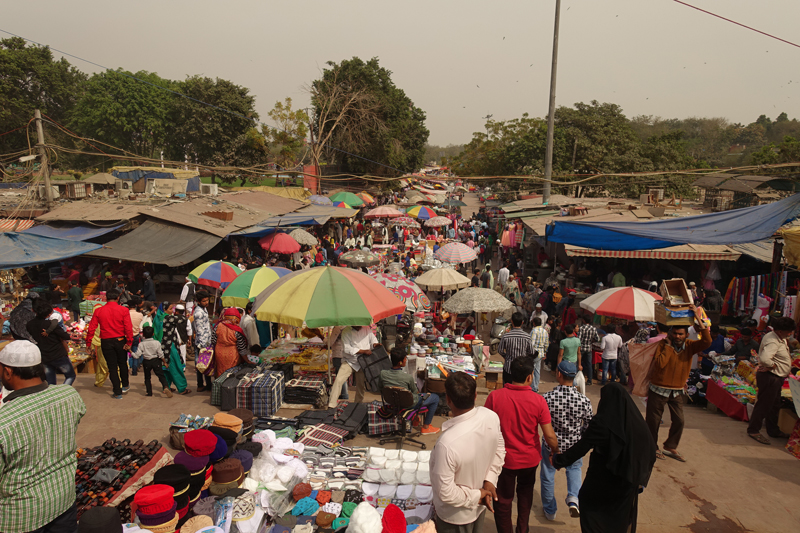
675,455
759,437
660,455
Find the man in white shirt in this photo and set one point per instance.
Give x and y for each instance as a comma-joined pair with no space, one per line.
502,277
610,344
539,313
466,461
356,340
188,296
248,325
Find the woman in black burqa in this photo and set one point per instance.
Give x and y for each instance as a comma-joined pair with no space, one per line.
619,467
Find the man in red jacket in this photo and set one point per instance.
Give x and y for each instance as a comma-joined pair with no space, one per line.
116,337
521,412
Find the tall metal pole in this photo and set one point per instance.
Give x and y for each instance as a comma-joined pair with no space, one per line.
548,158
43,160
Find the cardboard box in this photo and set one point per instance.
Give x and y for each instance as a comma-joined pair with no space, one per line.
663,315
786,420
675,293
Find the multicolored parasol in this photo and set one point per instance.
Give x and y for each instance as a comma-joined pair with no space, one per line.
326,296
342,204
421,212
346,197
405,290
367,197
455,252
246,287
279,243
217,274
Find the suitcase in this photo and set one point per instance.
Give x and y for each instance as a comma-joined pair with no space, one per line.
372,365
261,391
216,385
228,390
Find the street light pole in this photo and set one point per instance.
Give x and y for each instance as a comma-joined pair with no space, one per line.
548,157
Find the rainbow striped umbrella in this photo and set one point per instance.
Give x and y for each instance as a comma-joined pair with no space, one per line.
326,296
421,212
455,252
246,287
346,197
217,274
341,204
367,197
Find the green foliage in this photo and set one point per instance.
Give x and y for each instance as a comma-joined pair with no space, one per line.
786,152
359,109
31,79
289,135
124,112
442,155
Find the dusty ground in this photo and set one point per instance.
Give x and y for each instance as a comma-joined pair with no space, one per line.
730,483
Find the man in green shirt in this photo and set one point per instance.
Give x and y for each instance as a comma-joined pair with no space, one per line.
37,445
397,377
570,347
75,297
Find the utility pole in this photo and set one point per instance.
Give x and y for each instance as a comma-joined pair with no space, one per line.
43,160
548,157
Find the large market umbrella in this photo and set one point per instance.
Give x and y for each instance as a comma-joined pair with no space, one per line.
303,237
406,222
383,211
436,222
341,204
280,243
442,279
326,296
478,300
367,197
421,212
455,252
359,258
629,303
246,287
452,202
217,274
347,197
405,290
320,200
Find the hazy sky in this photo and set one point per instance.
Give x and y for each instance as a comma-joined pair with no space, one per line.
458,60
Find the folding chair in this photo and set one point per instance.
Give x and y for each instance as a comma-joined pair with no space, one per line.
399,401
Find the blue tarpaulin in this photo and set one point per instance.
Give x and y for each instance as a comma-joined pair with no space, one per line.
72,232
736,226
136,175
292,219
18,250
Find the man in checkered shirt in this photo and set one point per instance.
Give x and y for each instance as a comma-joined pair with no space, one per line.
570,413
588,335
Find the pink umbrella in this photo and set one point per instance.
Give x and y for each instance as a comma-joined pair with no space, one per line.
455,252
280,243
383,211
405,222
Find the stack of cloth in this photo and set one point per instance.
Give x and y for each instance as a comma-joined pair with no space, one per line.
306,389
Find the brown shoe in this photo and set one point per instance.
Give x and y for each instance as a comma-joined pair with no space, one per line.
167,392
201,389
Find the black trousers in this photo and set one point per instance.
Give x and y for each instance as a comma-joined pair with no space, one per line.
67,522
116,358
768,404
154,366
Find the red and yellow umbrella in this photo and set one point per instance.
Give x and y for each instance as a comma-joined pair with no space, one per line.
326,296
421,212
367,197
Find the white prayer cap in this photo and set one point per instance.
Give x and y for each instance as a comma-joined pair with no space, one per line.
20,354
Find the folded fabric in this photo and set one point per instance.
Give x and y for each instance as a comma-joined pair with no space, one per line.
303,528
340,523
424,493
305,506
372,474
370,489
378,461
404,491
325,519
388,476
411,503
393,464
410,466
424,456
383,502
337,496
336,485
348,508
377,452
352,496
387,490
410,527
408,455
423,477
306,520
407,477
392,454
323,497
423,467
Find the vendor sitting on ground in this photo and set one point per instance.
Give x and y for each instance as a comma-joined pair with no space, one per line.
397,377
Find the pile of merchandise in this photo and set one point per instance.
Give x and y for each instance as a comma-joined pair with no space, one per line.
742,390
696,387
307,389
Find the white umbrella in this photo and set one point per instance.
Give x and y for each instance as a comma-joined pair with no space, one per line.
442,279
303,237
478,300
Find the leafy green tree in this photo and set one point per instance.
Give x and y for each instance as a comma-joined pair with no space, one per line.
358,109
210,136
31,79
787,151
289,135
125,112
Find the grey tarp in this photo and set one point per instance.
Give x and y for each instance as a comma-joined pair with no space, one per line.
159,242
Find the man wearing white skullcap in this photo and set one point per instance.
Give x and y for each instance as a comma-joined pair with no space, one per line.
37,445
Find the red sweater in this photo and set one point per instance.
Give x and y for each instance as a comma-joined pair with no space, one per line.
521,411
114,321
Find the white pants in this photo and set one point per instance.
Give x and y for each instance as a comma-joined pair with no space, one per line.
345,371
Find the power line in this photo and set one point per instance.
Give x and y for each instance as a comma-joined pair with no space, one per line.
191,98
737,23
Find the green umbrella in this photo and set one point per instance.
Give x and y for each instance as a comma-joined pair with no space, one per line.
347,197
247,286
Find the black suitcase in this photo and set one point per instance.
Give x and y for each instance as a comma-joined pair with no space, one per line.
228,390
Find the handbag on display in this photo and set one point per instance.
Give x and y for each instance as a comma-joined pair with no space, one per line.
204,362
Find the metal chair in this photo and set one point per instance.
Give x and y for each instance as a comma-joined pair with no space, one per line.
399,399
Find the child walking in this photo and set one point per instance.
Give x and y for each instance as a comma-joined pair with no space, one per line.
150,350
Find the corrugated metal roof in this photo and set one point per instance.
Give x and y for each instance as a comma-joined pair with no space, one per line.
92,211
711,181
760,250
190,213
748,183
263,201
